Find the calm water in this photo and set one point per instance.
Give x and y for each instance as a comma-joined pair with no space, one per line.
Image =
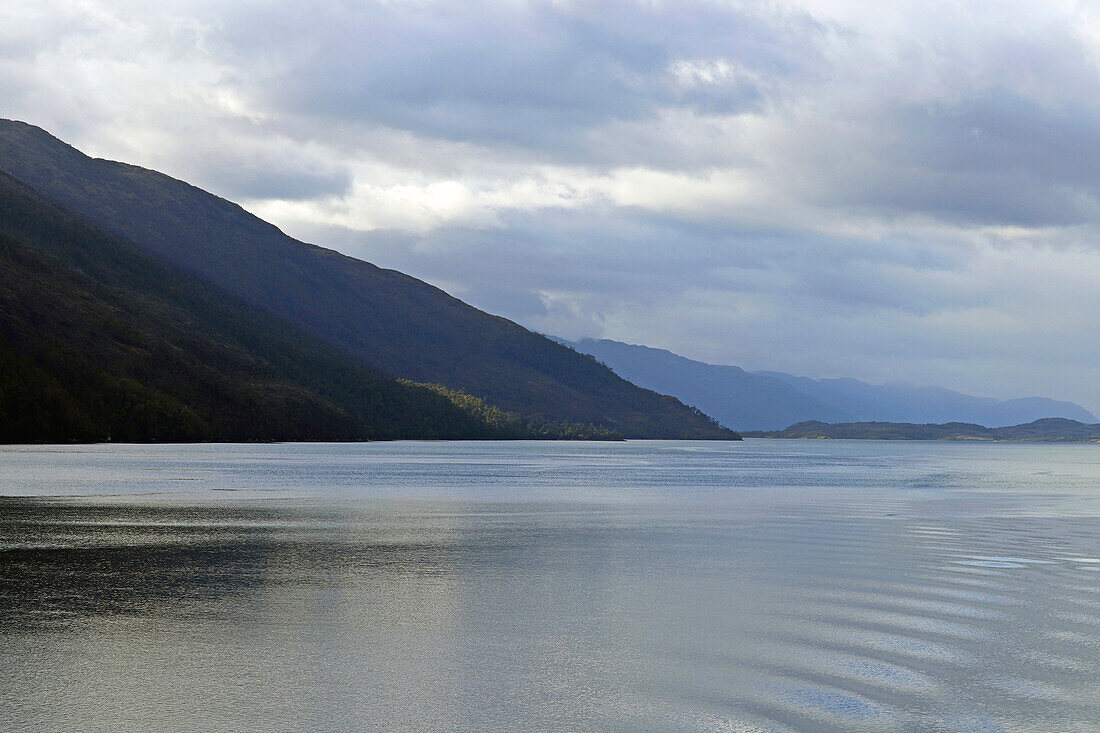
641,586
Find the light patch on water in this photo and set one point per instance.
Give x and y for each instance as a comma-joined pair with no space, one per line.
990,563
659,586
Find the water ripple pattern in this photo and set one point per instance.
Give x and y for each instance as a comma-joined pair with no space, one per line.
639,586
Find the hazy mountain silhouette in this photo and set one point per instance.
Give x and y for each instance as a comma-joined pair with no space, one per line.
773,400
907,404
729,394
1047,430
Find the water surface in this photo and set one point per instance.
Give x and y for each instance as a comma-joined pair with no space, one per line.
640,586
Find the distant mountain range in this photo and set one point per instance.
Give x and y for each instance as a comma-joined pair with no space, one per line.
138,307
1048,430
904,403
773,400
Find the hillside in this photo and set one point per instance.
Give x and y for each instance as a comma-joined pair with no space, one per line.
905,403
99,341
1049,430
729,394
384,319
773,400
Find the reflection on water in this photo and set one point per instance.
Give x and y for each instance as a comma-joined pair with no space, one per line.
639,586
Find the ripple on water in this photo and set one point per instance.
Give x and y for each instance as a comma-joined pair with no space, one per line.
1031,691
916,602
714,723
903,650
832,705
888,685
819,594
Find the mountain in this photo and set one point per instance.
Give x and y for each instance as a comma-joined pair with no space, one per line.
385,320
100,341
729,394
773,400
1049,430
908,404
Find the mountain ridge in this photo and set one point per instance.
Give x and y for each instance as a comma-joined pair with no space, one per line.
917,404
102,342
389,321
1046,430
775,400
728,393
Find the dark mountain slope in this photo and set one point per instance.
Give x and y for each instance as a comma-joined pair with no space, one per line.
99,341
391,321
729,394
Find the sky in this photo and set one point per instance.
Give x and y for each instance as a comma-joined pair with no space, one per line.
895,191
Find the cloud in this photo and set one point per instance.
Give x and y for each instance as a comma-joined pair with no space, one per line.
530,76
901,190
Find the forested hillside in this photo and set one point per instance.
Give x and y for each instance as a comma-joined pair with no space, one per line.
100,341
385,320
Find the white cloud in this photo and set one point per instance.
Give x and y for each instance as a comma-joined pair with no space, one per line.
702,72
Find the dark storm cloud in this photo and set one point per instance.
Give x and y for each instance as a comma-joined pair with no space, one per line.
632,258
534,75
269,175
992,123
993,157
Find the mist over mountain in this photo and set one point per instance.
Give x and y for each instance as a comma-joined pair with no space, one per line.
908,404
731,395
385,320
774,400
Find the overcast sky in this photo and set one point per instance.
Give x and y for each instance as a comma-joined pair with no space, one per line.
895,191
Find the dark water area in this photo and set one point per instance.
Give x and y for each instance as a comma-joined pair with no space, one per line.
640,586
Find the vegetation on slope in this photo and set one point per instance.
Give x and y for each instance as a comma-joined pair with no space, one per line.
392,322
514,425
100,341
